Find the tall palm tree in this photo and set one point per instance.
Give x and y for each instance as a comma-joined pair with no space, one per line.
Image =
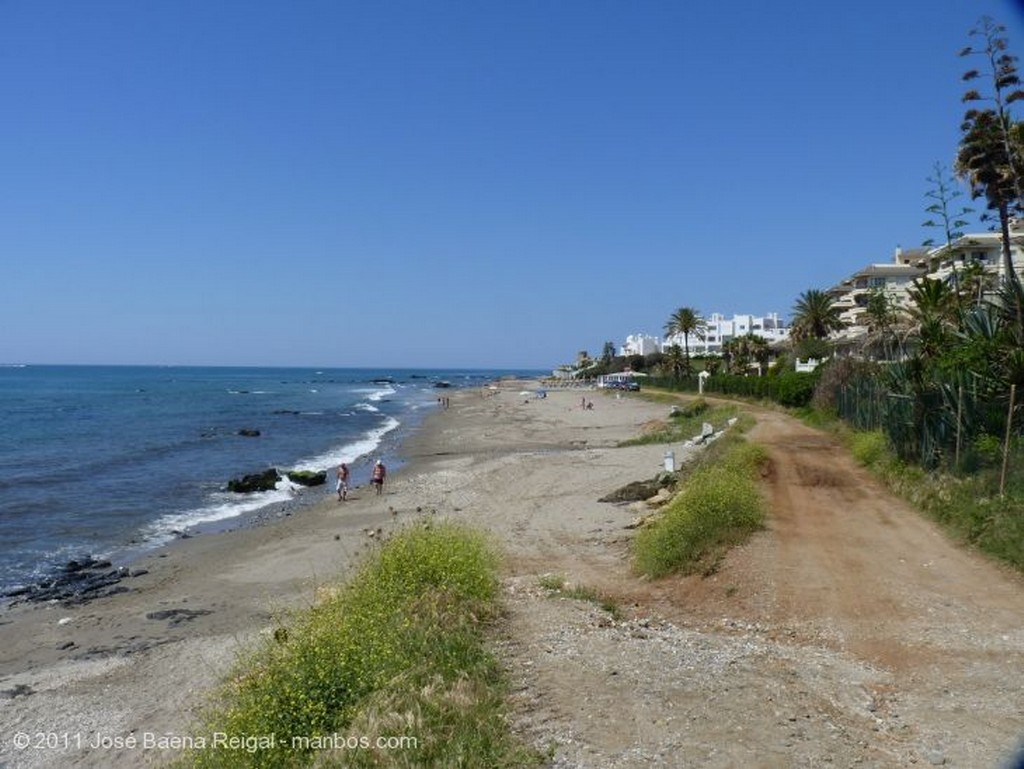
815,316
686,321
984,162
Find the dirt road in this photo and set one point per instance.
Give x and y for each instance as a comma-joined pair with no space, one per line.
851,632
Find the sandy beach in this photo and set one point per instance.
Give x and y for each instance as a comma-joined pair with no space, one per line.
849,632
137,664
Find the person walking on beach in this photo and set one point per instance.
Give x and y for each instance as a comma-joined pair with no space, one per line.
342,485
377,476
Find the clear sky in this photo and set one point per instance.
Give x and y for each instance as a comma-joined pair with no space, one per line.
452,183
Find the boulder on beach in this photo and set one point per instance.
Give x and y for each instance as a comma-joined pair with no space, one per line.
639,491
264,481
307,477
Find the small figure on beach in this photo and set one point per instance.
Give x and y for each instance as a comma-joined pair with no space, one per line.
377,476
342,484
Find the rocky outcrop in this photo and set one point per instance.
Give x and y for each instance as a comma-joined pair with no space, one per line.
641,490
307,477
265,481
77,582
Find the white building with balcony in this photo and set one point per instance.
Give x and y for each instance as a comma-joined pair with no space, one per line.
718,330
984,249
893,280
639,344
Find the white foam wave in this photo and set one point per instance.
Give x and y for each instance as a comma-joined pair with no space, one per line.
366,407
223,505
352,451
376,393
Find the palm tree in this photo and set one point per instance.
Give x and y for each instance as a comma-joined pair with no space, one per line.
686,321
972,283
935,314
815,316
983,160
882,316
934,299
608,352
674,360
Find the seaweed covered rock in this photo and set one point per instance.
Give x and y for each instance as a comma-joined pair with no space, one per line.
307,477
265,481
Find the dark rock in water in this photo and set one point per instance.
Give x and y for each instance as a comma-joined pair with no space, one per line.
248,432
80,580
307,477
265,481
86,563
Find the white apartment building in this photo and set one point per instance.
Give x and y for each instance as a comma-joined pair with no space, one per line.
984,248
639,344
894,280
718,330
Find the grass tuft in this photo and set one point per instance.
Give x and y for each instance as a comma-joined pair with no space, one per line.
558,587
687,419
718,507
397,654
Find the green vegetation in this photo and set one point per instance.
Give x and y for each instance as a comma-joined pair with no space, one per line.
868,448
791,389
685,322
815,316
686,421
397,653
719,507
557,587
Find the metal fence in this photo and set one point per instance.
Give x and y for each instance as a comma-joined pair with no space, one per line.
949,423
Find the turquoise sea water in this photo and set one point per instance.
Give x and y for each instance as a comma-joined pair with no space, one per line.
107,461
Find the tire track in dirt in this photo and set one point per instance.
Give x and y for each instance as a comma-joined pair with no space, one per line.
850,632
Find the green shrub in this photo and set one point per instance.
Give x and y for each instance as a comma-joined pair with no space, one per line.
989,449
795,389
719,506
411,620
693,408
868,448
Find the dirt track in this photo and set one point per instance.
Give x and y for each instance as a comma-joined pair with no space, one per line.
850,633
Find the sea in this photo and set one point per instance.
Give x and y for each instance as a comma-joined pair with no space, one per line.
112,461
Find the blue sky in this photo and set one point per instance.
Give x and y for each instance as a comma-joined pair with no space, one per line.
435,183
